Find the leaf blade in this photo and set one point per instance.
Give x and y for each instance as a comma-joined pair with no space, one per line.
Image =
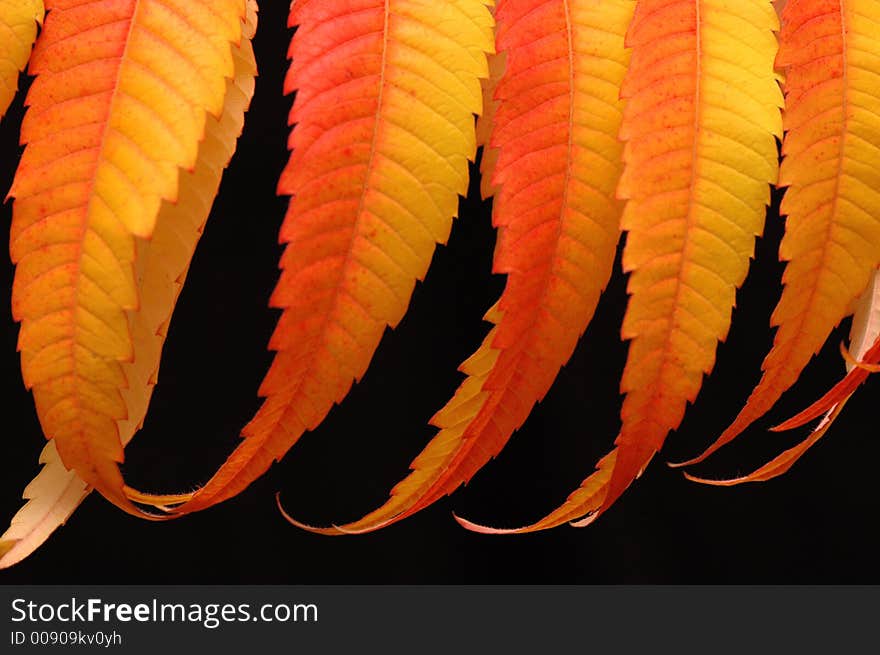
690,231
115,112
56,492
557,164
832,240
700,116
384,131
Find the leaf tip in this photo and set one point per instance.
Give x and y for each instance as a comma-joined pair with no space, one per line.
331,531
484,529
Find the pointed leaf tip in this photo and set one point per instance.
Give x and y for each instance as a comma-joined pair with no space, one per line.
865,346
484,529
331,531
783,462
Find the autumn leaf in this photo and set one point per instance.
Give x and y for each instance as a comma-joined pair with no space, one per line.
656,119
700,116
386,91
115,112
162,263
557,162
831,146
700,156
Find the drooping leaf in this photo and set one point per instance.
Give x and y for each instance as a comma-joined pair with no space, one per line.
56,492
117,109
865,348
831,148
386,91
700,116
558,163
125,155
18,31
163,262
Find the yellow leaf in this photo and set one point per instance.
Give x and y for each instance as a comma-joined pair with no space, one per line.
162,265
118,108
386,92
701,115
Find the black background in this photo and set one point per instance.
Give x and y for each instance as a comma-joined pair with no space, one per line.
813,525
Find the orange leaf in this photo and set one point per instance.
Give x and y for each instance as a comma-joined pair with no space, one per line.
700,120
118,108
162,264
558,162
857,374
386,91
832,143
782,462
700,116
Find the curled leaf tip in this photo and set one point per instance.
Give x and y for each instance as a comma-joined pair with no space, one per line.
485,529
729,482
689,462
589,519
330,531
